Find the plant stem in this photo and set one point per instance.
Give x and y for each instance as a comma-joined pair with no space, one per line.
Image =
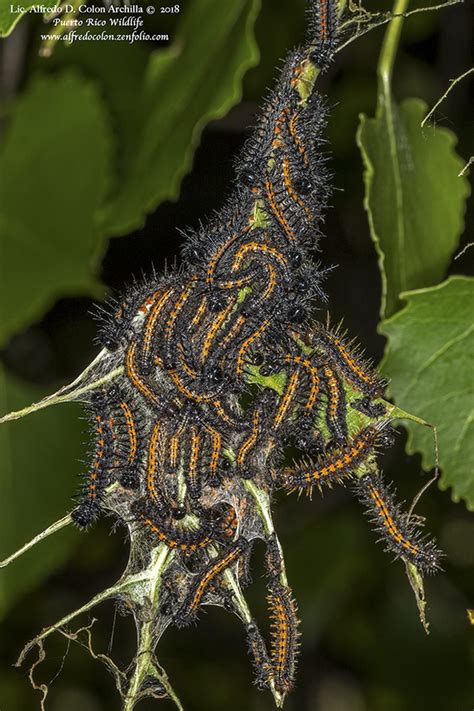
145,663
263,506
56,526
451,86
389,51
101,597
67,393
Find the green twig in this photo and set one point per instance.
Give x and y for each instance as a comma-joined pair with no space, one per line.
145,662
82,384
451,86
56,526
389,51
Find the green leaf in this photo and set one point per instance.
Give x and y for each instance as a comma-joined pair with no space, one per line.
38,476
194,81
54,175
9,19
429,358
413,196
118,68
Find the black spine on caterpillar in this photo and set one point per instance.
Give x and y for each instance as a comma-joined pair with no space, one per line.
97,479
169,531
284,636
273,559
336,407
116,317
259,655
369,408
322,34
213,240
338,464
259,146
200,585
129,428
400,534
349,361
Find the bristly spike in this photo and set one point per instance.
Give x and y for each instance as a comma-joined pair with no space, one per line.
401,535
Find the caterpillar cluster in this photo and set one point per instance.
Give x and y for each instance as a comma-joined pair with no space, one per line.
181,432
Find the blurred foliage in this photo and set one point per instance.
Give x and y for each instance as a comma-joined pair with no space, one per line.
98,137
50,196
202,72
39,468
9,19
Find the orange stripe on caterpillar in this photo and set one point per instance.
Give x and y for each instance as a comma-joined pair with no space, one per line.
247,344
213,262
287,399
291,190
216,448
99,459
152,473
336,404
258,247
250,442
97,479
190,372
185,390
199,588
314,389
132,373
284,636
272,282
349,363
176,310
217,405
131,430
338,464
151,322
400,535
280,121
201,310
213,330
186,541
233,331
277,211
323,26
236,283
192,474
296,138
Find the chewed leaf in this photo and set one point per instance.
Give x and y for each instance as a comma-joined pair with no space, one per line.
429,359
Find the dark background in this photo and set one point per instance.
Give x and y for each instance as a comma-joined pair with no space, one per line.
363,648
